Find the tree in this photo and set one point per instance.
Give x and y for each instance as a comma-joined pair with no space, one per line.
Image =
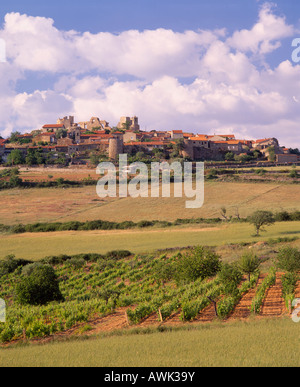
15,181
223,213
39,286
249,263
94,159
229,156
61,133
39,156
15,157
30,158
271,153
14,137
261,218
201,262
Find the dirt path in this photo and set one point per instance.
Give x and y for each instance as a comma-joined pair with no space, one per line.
273,305
242,309
297,290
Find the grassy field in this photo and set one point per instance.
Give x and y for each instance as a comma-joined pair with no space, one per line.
38,245
58,204
262,343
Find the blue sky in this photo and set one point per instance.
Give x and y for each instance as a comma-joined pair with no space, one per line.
120,15
205,66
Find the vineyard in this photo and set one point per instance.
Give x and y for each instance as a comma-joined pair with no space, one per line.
121,290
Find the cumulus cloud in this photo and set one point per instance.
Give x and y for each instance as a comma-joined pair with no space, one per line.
200,81
265,35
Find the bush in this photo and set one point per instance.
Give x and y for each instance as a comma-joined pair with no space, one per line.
190,309
145,223
142,311
282,216
249,263
201,263
230,277
77,263
295,215
261,291
293,174
10,264
288,259
39,287
118,254
289,281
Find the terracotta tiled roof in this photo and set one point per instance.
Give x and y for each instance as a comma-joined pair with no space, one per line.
199,138
233,142
146,143
53,126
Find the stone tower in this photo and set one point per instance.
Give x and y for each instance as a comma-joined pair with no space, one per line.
188,150
115,148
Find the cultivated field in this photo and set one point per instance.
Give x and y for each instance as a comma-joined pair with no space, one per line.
35,246
82,203
257,343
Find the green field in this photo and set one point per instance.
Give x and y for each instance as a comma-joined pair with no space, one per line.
38,245
260,343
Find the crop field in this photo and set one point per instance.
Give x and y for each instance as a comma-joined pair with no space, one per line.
112,295
255,343
82,203
35,246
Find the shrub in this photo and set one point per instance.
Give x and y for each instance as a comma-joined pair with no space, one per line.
39,287
145,223
295,215
249,263
142,311
201,263
226,306
288,259
261,291
189,310
282,216
293,174
164,272
118,254
289,281
77,263
10,264
230,276
212,174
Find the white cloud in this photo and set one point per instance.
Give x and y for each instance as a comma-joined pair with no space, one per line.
265,35
141,73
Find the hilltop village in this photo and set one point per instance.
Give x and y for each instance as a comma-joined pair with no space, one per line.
85,143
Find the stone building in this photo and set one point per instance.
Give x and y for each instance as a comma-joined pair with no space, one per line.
52,127
287,158
129,123
115,148
67,122
94,123
176,134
